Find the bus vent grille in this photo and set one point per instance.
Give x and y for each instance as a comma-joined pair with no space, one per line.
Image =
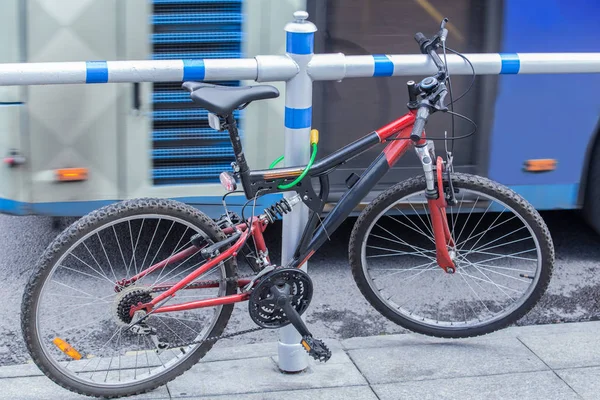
185,150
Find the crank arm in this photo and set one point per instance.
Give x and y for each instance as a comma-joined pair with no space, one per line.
314,347
289,310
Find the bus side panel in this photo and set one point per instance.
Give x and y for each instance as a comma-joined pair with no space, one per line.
546,116
72,126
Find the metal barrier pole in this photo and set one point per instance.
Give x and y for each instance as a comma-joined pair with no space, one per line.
298,115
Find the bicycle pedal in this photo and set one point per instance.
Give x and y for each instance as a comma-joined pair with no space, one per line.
316,348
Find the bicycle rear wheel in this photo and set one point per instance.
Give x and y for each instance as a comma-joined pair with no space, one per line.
503,255
71,300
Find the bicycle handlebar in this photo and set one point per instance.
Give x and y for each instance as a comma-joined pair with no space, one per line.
420,121
427,47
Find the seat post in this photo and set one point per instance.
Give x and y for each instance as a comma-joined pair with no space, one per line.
240,158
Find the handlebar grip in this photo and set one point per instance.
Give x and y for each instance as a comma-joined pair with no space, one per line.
419,124
421,39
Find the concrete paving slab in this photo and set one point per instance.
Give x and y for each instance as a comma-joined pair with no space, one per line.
340,393
540,385
268,349
576,349
550,329
36,388
514,331
419,360
260,375
15,371
585,381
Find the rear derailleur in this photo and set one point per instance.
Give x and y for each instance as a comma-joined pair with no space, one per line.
279,298
144,330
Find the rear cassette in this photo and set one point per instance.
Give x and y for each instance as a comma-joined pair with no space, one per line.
262,306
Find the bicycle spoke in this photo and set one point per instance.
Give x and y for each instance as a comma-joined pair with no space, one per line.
77,290
96,261
467,221
135,247
479,266
415,228
396,252
403,242
498,245
162,243
396,237
477,224
463,303
462,275
454,221
92,268
427,227
489,282
176,249
83,273
422,267
150,245
119,245
482,233
107,259
510,256
489,229
499,287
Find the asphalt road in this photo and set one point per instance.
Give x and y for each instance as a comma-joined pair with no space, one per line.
338,309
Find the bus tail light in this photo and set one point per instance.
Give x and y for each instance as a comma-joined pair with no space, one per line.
71,174
540,165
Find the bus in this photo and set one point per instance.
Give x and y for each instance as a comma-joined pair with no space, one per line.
536,133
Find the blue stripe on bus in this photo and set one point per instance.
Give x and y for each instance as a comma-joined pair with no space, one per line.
96,72
510,63
299,43
383,65
298,118
550,196
193,70
210,205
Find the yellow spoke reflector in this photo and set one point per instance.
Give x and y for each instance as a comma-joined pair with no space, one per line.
67,348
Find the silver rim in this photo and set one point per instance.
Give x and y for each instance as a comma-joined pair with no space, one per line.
79,305
497,255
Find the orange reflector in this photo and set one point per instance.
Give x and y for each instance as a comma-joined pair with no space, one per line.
71,174
67,348
541,165
305,345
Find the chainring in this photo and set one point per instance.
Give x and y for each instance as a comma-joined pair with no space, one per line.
261,305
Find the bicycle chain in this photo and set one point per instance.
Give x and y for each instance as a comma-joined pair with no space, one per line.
224,335
214,338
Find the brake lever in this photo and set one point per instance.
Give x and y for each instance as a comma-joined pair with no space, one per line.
440,95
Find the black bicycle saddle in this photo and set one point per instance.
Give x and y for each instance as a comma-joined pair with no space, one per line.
222,100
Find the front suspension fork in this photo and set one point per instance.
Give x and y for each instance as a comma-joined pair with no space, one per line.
436,200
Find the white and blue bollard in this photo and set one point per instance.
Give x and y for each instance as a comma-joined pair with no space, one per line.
300,36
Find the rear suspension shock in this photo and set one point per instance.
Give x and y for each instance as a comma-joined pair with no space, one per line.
283,206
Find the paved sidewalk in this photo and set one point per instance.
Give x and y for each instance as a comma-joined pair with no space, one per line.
534,362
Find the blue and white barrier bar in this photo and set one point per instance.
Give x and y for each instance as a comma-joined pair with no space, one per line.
283,68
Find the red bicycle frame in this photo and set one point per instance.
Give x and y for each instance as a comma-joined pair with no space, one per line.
396,132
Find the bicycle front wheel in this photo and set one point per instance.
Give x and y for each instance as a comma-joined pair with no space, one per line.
75,322
502,251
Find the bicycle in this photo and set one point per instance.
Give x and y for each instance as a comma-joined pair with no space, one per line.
126,320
